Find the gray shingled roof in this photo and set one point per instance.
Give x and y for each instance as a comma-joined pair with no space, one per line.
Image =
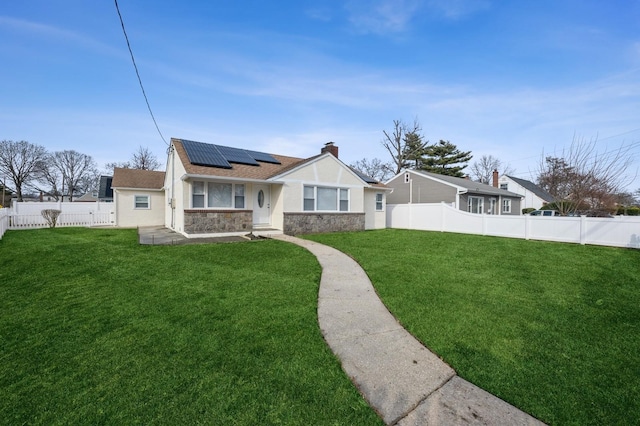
469,185
530,186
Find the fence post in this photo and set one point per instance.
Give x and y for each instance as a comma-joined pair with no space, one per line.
484,224
527,226
443,212
583,230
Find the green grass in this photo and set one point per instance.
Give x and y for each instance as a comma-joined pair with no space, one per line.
552,328
95,329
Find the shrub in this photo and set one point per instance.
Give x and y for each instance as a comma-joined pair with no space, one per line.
51,216
527,210
628,211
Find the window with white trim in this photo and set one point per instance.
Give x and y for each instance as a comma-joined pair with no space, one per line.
506,205
504,186
309,198
216,195
475,205
141,202
321,198
379,201
198,195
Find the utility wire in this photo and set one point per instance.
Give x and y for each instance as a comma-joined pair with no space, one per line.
138,74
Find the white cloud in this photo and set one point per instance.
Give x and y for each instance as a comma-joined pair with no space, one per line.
456,9
49,33
382,16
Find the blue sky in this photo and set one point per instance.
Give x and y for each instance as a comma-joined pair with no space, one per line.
512,79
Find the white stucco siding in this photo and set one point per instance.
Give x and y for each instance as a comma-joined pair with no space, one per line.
374,219
325,172
127,215
175,190
277,207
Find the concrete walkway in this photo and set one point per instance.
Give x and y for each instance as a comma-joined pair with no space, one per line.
401,379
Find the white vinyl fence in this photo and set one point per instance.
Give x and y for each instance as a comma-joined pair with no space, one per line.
4,221
27,215
619,231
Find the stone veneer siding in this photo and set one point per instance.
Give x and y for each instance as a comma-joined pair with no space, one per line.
216,221
311,223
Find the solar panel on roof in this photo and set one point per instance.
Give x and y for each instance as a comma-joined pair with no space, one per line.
204,154
235,155
364,177
262,156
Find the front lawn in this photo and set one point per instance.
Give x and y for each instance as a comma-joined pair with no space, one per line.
96,329
552,328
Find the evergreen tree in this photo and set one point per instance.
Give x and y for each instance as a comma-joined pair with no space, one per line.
446,159
414,150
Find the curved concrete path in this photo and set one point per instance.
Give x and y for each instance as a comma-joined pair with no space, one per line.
401,379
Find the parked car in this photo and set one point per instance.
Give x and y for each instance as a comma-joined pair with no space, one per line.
545,213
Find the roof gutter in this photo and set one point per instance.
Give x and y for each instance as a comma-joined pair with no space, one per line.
233,179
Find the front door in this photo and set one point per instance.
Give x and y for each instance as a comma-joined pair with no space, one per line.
261,205
494,206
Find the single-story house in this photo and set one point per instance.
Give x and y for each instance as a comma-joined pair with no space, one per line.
533,196
415,186
210,190
138,197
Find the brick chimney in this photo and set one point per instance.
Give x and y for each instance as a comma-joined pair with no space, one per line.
495,178
330,148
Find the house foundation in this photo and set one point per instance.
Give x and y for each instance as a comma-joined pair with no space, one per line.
312,223
217,221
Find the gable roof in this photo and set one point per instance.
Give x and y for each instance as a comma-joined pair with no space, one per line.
530,186
262,170
468,185
140,179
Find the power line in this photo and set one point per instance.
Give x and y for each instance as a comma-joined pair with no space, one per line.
138,74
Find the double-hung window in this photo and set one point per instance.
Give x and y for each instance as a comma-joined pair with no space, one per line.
379,201
141,202
506,205
198,195
320,198
476,205
217,195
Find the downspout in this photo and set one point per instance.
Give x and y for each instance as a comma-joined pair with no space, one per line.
172,203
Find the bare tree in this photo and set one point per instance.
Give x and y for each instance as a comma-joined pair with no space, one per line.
482,169
21,162
117,164
374,168
585,180
50,180
144,159
74,168
404,144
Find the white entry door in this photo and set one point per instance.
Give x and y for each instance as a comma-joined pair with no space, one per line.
261,205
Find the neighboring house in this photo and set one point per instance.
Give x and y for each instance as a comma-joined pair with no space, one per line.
414,186
138,197
533,196
105,192
87,197
209,190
